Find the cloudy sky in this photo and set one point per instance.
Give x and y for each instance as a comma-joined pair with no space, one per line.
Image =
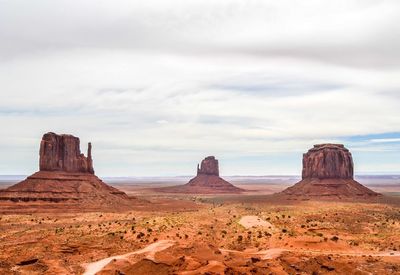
158,85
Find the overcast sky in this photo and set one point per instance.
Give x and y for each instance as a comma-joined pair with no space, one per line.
158,85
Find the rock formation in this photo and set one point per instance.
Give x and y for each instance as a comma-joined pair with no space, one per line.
328,171
328,161
65,176
209,166
63,153
207,181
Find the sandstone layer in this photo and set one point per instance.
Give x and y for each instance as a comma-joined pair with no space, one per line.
63,153
209,166
207,181
328,171
66,177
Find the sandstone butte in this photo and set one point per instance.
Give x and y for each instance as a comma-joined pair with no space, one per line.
207,181
65,176
328,171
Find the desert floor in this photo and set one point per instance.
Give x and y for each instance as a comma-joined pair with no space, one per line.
252,233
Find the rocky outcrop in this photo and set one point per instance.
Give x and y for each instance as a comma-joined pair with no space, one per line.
63,153
328,161
328,171
66,177
209,166
207,181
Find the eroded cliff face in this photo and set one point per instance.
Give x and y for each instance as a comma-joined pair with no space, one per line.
209,166
328,173
62,153
65,176
328,161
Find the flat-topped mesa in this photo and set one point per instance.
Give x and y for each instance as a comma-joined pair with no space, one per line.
209,166
328,173
328,161
62,153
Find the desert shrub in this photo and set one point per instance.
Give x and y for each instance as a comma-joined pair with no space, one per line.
355,243
59,230
335,238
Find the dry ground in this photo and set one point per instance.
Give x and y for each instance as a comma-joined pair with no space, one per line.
205,236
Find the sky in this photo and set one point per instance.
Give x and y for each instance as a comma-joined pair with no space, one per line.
156,86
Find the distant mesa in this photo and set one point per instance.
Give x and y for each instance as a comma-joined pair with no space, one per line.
207,181
209,166
65,176
328,171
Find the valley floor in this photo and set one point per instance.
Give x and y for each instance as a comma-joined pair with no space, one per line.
207,235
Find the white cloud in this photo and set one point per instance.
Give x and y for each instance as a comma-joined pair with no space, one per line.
157,85
385,140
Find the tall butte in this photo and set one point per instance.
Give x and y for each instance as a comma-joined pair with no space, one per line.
66,177
207,181
328,171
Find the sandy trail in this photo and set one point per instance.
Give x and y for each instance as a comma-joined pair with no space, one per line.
265,254
276,252
356,254
253,221
150,250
